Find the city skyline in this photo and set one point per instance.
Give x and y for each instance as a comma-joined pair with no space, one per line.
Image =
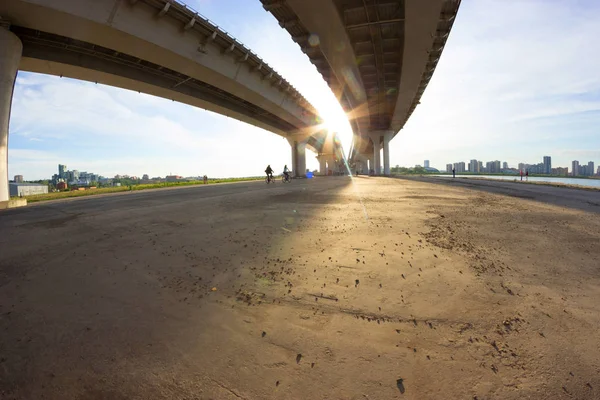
545,167
489,95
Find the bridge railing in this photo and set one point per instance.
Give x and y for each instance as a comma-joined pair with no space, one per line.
212,25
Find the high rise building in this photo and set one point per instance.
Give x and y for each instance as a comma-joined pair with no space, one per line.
474,166
522,167
575,168
598,172
492,167
449,168
479,166
504,165
62,171
590,168
18,178
547,165
459,167
426,164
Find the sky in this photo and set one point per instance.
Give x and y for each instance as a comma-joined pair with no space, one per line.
518,79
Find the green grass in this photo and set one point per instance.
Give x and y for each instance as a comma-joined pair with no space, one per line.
116,189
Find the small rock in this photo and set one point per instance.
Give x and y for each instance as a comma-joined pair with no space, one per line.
400,385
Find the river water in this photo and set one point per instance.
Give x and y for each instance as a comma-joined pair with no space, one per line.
595,183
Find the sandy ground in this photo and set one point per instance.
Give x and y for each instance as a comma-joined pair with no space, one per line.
321,289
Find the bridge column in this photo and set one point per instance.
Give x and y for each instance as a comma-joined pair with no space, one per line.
371,164
387,136
330,163
322,164
11,49
298,157
376,138
377,156
363,167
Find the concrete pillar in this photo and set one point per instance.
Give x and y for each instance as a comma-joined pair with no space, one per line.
376,138
298,157
322,164
371,164
364,164
331,164
386,153
377,155
11,49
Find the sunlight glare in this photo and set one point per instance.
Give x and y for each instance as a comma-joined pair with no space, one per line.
335,120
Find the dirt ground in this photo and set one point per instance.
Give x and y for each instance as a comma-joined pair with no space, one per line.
331,288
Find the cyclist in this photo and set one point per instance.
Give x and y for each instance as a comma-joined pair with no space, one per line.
269,172
286,172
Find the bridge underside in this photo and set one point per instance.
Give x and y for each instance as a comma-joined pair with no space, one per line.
377,57
52,54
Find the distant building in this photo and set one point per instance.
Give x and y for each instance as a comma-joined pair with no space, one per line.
521,167
504,165
575,168
61,185
474,166
547,165
459,167
62,171
145,177
426,164
492,167
598,171
18,179
479,166
173,178
449,168
26,189
560,171
590,168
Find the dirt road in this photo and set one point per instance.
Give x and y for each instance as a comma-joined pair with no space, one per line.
321,289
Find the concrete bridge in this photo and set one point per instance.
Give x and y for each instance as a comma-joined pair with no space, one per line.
376,55
159,47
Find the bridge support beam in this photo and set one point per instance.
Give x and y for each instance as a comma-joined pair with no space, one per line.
362,164
11,49
386,152
377,155
381,139
322,164
298,157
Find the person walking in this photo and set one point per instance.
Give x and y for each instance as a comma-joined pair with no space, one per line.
527,176
521,175
453,173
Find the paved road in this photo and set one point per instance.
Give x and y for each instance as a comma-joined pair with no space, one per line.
325,288
581,199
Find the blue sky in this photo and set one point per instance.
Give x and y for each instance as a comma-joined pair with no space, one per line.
518,80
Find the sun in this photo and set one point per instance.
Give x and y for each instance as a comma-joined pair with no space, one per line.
336,121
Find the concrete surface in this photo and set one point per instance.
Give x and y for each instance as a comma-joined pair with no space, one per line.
10,54
12,203
320,289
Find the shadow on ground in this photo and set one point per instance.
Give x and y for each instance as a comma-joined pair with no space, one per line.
112,297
